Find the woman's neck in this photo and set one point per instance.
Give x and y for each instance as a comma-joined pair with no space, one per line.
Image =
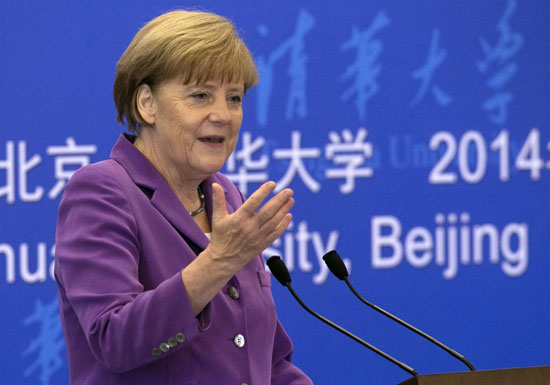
185,188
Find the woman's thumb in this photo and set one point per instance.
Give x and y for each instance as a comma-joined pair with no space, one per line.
219,210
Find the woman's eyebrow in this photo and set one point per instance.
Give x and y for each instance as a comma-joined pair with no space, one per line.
211,86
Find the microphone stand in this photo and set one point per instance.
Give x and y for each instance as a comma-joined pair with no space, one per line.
338,268
279,270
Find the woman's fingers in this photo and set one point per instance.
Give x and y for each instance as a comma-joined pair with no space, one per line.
273,206
219,209
255,200
279,229
268,217
274,220
253,227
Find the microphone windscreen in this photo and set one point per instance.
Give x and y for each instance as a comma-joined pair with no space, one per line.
279,270
336,265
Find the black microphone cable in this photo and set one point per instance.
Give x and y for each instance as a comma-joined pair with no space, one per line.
280,272
338,268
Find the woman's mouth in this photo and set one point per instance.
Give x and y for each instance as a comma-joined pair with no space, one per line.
212,139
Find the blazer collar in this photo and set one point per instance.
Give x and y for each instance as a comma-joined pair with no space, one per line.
144,174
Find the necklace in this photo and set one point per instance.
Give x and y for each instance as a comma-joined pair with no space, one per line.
203,203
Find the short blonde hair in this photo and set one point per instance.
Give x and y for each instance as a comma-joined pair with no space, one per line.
195,46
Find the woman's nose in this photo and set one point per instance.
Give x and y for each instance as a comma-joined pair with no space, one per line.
219,112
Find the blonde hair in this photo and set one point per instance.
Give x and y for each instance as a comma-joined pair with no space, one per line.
194,46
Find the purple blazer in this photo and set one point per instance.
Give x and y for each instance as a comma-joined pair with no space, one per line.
122,239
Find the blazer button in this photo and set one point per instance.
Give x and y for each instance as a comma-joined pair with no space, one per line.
238,340
233,292
156,352
180,337
172,342
164,347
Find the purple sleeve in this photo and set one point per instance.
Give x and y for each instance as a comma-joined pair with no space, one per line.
97,258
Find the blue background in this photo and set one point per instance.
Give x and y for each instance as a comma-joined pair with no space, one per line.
57,68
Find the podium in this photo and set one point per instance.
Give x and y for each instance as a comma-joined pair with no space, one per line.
520,376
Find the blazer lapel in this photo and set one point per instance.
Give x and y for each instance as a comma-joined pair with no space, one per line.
163,198
168,204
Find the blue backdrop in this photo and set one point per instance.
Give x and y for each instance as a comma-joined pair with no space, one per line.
415,134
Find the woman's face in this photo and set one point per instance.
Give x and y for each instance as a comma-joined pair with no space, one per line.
195,127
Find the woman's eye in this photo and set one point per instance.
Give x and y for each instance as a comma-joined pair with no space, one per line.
200,96
236,99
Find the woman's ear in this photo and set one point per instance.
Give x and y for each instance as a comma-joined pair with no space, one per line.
146,104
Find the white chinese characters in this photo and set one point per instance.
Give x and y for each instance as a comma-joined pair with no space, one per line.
346,157
21,165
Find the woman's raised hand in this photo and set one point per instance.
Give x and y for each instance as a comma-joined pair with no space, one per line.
239,237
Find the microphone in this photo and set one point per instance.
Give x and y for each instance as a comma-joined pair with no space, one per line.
280,272
338,268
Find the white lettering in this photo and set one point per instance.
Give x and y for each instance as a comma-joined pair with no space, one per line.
40,274
451,243
390,240
7,250
296,247
33,268
303,237
516,262
419,240
491,233
320,251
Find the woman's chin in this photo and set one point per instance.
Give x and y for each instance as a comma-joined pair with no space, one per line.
209,168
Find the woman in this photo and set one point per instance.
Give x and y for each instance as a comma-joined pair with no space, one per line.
157,254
